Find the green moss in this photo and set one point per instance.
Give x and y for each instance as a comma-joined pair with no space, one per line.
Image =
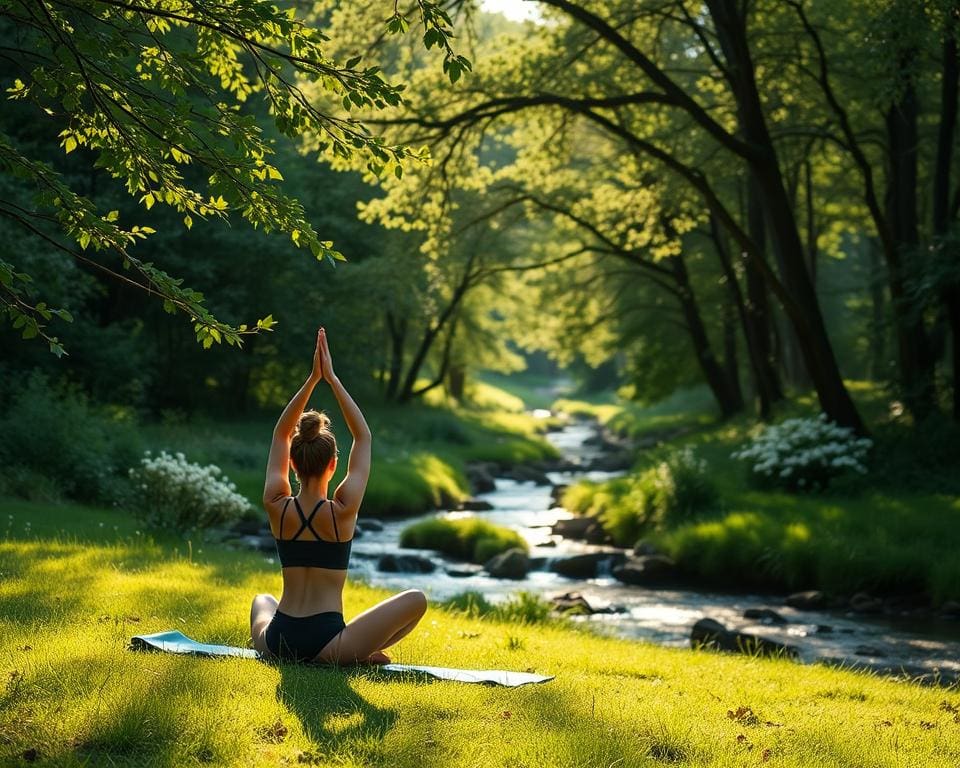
468,538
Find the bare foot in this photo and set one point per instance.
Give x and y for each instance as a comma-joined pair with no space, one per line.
377,657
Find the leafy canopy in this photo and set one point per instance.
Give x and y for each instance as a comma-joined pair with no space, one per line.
157,93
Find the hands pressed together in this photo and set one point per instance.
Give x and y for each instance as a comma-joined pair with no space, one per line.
322,362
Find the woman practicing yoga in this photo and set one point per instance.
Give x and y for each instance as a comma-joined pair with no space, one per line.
314,548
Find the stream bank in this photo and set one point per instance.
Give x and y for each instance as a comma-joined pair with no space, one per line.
911,645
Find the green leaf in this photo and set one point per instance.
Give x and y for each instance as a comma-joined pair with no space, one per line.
352,63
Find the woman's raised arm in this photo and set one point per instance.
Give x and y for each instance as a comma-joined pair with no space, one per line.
277,484
350,491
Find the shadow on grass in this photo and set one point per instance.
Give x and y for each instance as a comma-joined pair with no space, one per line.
334,717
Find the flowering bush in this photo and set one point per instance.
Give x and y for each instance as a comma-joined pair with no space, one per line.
800,454
174,493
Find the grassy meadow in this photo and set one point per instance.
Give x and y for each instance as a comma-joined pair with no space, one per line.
77,582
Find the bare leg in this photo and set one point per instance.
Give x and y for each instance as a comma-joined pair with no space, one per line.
376,628
261,613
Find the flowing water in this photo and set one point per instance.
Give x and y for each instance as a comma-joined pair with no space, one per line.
663,616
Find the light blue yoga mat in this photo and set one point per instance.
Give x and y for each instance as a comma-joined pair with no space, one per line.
177,642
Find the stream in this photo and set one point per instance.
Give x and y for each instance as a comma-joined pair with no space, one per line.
664,616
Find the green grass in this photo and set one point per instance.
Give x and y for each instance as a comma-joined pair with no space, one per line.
73,592
535,391
684,411
419,451
467,538
894,531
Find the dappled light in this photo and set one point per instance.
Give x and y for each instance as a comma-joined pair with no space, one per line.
608,353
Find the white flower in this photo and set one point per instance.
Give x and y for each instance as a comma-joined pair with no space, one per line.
805,452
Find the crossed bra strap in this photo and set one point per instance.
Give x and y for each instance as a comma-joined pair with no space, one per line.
307,522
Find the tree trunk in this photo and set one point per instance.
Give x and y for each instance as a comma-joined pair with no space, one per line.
811,225
731,365
729,401
878,323
456,382
430,335
759,313
941,185
805,316
398,334
765,384
913,344
444,363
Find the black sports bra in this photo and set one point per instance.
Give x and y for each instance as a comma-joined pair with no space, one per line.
312,553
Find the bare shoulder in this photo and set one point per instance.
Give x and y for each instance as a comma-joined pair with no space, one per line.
346,517
274,509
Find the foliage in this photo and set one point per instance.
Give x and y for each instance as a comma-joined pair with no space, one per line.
922,457
54,442
674,490
155,97
890,531
465,538
171,492
801,454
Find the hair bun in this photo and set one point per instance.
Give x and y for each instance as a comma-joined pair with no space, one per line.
311,424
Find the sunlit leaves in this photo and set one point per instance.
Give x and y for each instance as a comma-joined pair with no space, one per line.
147,89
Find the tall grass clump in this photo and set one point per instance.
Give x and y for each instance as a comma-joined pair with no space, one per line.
676,489
522,608
468,538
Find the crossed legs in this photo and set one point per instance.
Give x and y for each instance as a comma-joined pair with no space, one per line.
363,638
376,628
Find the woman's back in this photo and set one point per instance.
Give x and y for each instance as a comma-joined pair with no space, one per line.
314,551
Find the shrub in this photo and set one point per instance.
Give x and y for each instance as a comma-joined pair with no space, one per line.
800,454
171,492
683,489
53,437
675,490
467,538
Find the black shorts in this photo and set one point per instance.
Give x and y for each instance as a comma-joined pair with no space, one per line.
301,638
